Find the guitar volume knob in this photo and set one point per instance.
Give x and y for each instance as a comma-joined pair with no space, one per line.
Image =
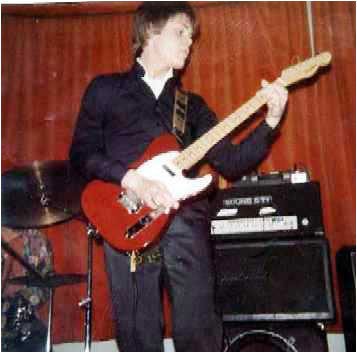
130,202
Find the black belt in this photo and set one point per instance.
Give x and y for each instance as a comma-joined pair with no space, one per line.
149,256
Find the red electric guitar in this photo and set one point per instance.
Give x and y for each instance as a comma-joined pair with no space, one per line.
122,218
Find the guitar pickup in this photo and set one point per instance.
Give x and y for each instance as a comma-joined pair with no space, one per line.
138,226
143,222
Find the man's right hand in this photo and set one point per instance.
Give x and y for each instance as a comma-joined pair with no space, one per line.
153,193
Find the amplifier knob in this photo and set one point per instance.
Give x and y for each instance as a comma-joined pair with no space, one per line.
305,222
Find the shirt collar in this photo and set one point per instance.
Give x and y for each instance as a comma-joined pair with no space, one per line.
146,76
156,84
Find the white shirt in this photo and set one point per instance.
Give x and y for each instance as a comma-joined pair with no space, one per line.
156,84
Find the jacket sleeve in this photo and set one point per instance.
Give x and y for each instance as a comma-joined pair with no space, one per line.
233,160
87,152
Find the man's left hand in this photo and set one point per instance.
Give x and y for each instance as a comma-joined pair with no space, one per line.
277,97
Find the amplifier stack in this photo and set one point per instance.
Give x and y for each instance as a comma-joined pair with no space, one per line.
273,273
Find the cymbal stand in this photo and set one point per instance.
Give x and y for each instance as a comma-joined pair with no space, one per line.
87,302
49,327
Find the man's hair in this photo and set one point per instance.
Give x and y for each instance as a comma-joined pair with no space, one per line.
153,15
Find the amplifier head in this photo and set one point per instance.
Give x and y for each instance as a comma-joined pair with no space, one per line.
267,211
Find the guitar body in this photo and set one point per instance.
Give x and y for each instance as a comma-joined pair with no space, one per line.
100,204
111,219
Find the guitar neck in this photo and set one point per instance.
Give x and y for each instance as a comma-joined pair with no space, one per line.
196,151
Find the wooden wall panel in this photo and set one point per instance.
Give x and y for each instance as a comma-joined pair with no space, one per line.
48,58
47,63
335,30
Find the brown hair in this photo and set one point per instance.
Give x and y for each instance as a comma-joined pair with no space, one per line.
155,14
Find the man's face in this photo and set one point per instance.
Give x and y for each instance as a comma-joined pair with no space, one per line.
172,44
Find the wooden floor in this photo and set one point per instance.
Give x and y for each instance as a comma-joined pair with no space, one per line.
336,343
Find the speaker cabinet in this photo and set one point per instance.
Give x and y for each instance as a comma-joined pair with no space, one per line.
275,337
346,273
277,280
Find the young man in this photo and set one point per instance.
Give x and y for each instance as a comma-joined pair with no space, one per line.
120,115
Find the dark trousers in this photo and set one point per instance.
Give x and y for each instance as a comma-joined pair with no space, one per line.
186,270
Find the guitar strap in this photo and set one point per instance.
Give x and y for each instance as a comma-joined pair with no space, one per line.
179,115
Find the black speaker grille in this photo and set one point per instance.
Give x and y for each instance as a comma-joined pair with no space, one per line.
274,280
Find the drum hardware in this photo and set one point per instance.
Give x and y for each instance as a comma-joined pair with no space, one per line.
51,282
49,323
40,195
21,330
35,274
87,302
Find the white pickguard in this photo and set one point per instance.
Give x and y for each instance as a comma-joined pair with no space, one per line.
178,185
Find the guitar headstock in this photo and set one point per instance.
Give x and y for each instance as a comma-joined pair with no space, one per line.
305,69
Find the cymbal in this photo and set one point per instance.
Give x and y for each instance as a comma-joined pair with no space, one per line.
40,194
51,281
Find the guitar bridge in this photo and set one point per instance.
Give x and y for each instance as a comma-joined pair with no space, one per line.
130,202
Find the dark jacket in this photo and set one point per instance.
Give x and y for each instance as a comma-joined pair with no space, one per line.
120,116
